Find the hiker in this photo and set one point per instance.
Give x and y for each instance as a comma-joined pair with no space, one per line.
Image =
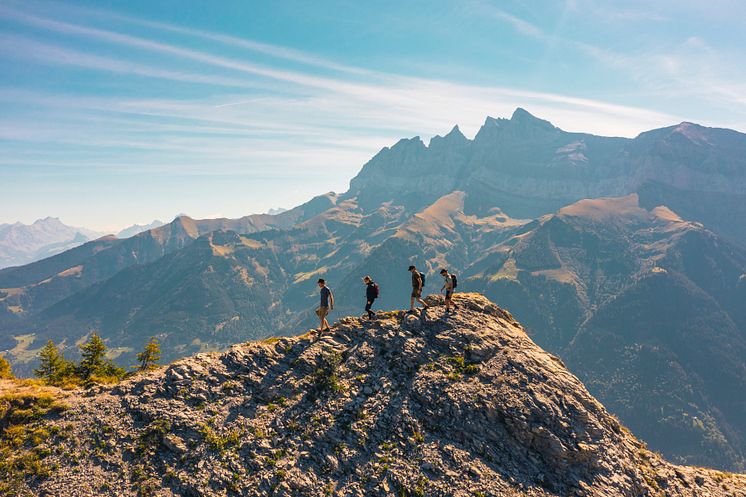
449,285
326,305
418,281
371,294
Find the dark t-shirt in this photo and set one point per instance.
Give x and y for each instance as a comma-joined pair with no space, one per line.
325,292
370,291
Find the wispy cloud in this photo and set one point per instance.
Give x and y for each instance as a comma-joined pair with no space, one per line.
231,115
28,49
520,25
675,69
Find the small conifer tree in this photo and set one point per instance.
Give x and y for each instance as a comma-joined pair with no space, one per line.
150,355
5,371
53,368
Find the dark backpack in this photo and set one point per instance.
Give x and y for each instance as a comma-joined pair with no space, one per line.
422,277
455,281
375,290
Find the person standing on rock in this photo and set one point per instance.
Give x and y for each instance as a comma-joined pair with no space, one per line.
326,305
418,281
449,284
371,294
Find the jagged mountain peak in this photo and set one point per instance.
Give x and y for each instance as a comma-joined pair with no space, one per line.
453,138
414,142
461,404
49,220
523,117
521,125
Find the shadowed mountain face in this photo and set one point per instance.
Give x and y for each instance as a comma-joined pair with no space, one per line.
437,404
646,308
637,297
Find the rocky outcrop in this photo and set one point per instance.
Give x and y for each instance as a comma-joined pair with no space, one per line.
435,404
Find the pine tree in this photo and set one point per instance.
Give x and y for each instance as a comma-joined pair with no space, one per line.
94,367
93,357
150,355
53,367
5,372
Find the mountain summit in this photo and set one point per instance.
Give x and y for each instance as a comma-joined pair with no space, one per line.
24,243
410,405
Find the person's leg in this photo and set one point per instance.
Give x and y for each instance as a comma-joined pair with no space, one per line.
368,305
324,322
411,301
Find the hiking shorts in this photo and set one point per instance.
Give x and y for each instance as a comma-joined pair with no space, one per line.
416,293
449,294
322,312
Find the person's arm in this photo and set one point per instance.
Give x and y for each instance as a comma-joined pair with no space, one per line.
331,300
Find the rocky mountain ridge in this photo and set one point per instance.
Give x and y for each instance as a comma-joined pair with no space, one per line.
527,167
432,405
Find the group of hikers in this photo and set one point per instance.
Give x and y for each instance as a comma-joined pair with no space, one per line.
372,291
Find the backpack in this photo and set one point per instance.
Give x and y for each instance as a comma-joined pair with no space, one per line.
422,276
375,290
454,280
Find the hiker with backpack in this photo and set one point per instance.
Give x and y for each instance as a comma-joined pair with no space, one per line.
418,281
371,294
325,305
450,282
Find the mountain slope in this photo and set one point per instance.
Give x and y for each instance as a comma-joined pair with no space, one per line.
647,309
31,289
462,405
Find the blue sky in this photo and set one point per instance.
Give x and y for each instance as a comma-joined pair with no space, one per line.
113,113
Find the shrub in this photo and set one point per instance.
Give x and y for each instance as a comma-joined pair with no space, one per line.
152,436
459,366
326,376
5,371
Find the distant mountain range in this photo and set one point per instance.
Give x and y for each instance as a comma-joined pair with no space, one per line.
626,257
138,228
24,243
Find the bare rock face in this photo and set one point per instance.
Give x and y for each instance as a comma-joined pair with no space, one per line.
438,404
